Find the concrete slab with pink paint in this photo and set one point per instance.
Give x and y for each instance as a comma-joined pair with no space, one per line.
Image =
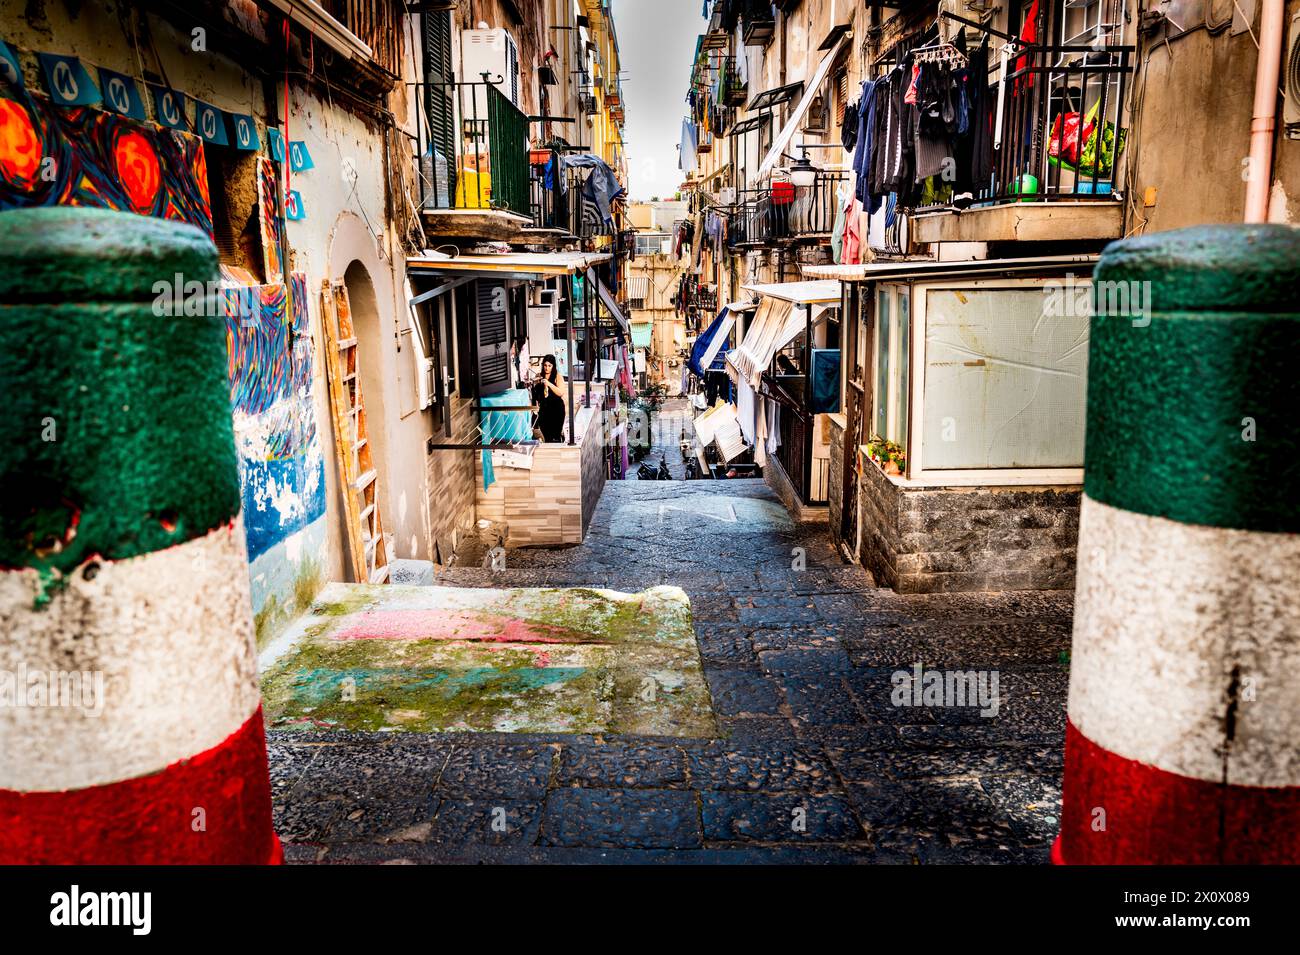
527,660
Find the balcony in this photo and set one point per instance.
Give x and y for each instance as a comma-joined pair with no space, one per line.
1061,143
757,30
471,154
558,215
584,220
782,213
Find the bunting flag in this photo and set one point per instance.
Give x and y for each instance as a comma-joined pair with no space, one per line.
211,123
293,207
245,132
275,144
121,94
67,80
169,107
299,157
9,68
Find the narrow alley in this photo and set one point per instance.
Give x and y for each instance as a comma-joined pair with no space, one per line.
811,761
650,431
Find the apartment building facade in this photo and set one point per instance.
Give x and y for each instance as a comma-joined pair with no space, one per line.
980,157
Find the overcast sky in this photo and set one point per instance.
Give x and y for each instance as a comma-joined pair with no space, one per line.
656,40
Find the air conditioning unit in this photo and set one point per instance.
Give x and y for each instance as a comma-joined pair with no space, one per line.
1291,80
493,52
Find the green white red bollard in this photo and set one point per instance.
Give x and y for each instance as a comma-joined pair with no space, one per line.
1183,739
131,724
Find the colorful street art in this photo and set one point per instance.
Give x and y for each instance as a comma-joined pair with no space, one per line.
269,212
281,465
81,156
384,658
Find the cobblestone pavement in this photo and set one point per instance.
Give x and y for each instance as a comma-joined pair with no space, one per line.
815,763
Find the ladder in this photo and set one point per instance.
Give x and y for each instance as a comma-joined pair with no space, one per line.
357,473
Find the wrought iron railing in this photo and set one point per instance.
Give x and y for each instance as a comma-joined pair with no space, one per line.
584,216
781,210
1061,132
548,205
471,148
556,197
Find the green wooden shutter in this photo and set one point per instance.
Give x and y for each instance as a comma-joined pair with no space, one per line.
440,112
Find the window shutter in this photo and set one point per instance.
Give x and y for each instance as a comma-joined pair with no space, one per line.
437,98
493,341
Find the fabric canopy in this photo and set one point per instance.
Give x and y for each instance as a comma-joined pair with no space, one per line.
642,332
776,325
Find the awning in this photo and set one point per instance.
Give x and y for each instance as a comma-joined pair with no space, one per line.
719,425
714,338
926,268
522,265
607,297
777,324
638,286
796,118
642,333
820,292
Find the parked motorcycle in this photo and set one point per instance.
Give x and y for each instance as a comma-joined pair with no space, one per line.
647,473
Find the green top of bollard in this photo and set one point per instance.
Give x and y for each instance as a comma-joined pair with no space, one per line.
77,254
1213,268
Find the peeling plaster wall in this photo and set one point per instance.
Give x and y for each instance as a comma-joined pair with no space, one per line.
1194,132
1217,74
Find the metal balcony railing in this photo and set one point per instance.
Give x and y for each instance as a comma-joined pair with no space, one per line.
548,205
584,217
1061,131
471,148
553,208
783,211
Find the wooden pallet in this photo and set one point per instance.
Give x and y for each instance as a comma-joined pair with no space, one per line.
357,472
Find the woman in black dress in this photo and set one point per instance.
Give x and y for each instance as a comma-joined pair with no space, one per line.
548,395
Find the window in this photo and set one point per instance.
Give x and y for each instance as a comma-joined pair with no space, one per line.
653,243
1005,379
892,358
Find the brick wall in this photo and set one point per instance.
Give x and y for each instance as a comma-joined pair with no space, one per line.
943,540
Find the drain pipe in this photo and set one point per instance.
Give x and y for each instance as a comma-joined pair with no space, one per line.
1264,121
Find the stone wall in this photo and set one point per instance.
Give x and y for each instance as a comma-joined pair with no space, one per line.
948,539
835,486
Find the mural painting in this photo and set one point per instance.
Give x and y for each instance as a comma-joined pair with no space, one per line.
281,464
269,215
81,156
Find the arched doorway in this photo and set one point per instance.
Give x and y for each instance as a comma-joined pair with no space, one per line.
369,363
